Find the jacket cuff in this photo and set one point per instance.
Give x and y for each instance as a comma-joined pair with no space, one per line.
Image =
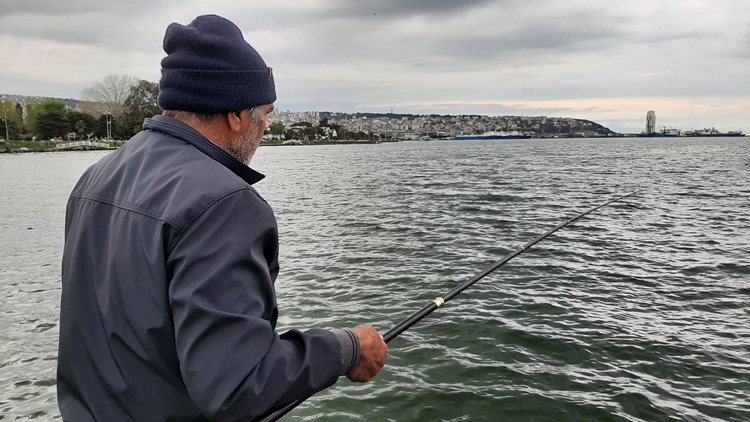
349,342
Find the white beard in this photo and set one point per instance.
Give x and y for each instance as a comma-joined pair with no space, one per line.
243,147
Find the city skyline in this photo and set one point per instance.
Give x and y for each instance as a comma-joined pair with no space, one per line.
606,61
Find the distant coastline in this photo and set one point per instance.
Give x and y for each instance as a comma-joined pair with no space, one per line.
87,120
21,147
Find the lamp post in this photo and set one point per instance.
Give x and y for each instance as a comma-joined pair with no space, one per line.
109,126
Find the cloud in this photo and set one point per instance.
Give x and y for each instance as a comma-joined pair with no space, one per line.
400,8
483,56
67,8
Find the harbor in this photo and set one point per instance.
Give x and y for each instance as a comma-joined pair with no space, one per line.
635,312
664,132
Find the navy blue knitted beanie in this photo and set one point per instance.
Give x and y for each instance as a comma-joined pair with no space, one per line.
210,68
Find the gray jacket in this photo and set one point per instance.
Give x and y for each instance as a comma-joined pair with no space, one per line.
168,306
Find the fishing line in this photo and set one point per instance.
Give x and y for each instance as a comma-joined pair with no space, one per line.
439,301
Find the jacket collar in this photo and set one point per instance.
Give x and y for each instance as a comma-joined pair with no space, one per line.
180,130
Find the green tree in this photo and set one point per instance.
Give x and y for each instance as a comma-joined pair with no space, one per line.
6,127
343,133
51,124
277,130
140,104
291,133
32,111
83,124
10,117
309,133
48,119
52,106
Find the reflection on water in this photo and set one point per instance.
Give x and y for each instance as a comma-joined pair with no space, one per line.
635,312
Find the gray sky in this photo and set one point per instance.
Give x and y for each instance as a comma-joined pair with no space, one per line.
609,60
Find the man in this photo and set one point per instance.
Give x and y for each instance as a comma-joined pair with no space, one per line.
168,308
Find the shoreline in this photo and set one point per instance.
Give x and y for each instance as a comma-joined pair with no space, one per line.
23,147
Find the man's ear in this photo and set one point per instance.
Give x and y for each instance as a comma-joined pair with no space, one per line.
234,120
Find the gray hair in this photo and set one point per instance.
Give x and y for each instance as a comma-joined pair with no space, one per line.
254,112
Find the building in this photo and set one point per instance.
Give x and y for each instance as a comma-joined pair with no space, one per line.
651,122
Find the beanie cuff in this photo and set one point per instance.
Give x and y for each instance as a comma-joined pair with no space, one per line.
215,91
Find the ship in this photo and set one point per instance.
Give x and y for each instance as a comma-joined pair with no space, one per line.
664,133
713,132
493,135
651,131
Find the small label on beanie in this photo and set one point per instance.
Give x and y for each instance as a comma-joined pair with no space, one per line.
270,74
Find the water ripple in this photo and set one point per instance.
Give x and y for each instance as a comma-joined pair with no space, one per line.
638,312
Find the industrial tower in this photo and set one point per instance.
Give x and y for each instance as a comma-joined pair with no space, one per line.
651,122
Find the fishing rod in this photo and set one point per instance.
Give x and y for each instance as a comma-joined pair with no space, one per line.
441,300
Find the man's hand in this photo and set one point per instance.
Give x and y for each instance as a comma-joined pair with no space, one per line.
372,352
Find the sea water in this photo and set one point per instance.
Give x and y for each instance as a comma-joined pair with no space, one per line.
637,312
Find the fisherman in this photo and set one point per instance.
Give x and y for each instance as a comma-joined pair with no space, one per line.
168,306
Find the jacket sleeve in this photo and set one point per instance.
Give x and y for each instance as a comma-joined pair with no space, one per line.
233,363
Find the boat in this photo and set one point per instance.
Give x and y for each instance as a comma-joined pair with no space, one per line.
493,135
664,133
713,132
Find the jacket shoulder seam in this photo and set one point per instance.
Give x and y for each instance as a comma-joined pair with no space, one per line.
126,208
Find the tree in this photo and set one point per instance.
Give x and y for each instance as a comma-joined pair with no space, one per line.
51,106
82,123
14,122
143,99
309,133
140,104
292,133
36,110
113,90
5,128
51,124
343,133
47,119
277,130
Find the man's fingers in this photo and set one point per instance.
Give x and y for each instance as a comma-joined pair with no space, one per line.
373,351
